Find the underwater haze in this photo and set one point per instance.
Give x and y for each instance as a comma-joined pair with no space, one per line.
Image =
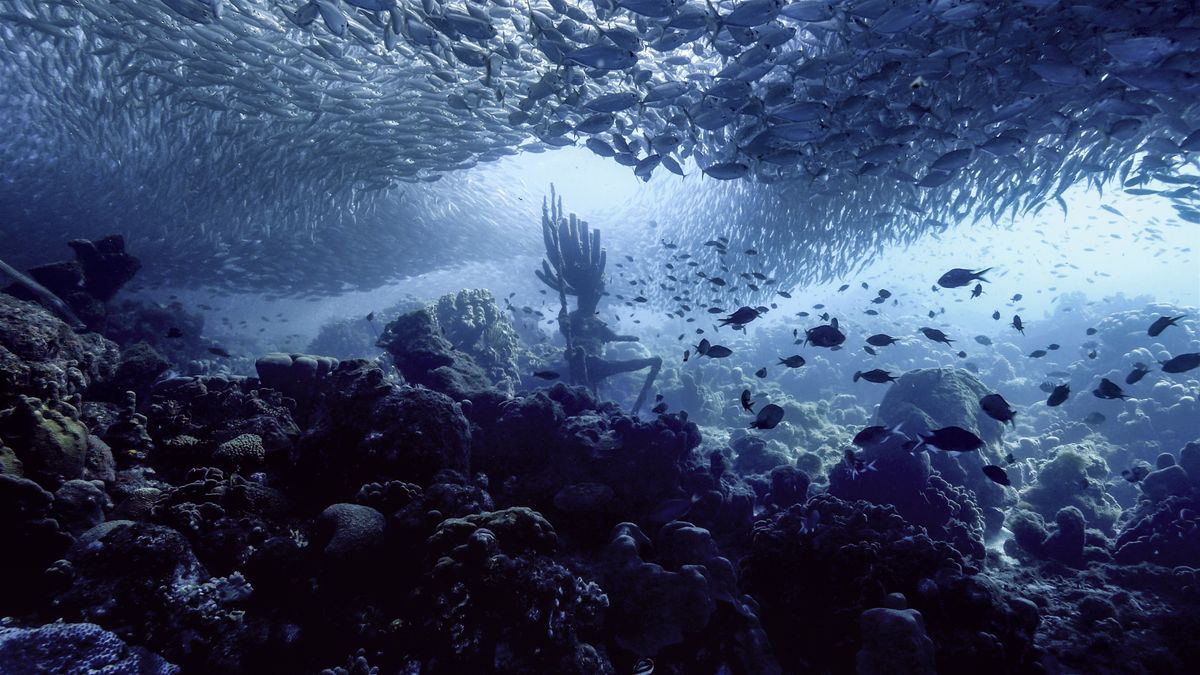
726,337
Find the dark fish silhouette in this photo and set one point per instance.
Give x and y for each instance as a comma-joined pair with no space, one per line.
761,372
1018,324
174,333
997,408
747,403
219,351
1160,324
793,361
546,375
881,340
1107,389
741,317
952,439
877,376
1181,363
718,352
875,435
983,340
825,336
1058,395
1139,371
936,335
997,474
769,417
959,277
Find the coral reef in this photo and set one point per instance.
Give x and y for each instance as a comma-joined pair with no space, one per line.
326,512
815,568
75,649
473,323
368,430
1073,477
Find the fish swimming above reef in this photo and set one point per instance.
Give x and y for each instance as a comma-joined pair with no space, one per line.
741,317
747,401
825,336
959,277
1181,363
769,417
793,361
1108,389
877,376
997,408
882,340
876,435
952,439
936,335
1161,323
1058,395
1139,371
997,475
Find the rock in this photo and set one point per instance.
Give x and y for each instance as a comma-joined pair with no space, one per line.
9,462
1166,482
1065,543
1189,459
789,486
41,356
1095,608
931,398
79,505
140,366
98,463
753,457
367,429
894,641
1060,483
425,357
75,649
50,442
297,376
34,538
353,534
124,572
583,497
86,283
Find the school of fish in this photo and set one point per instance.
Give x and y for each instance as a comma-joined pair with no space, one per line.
827,129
